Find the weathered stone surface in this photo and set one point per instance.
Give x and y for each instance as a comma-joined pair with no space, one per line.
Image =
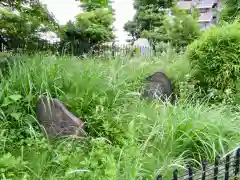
158,86
56,119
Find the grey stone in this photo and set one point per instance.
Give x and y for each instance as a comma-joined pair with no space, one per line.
158,86
57,120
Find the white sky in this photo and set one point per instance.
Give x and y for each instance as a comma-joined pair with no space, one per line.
65,10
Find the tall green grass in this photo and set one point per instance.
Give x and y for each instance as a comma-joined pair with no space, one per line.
127,137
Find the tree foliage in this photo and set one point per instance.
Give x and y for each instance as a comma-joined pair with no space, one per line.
22,22
230,10
132,28
157,3
91,27
182,28
152,21
214,56
90,5
22,27
148,20
13,3
96,25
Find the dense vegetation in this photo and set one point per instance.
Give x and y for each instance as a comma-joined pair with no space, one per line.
23,28
127,137
214,56
152,22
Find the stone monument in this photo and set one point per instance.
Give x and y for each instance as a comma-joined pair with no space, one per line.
158,86
57,120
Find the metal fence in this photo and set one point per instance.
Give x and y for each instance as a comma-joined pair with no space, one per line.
227,168
79,49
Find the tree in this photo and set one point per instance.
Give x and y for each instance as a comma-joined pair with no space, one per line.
157,3
21,28
149,18
91,27
132,28
13,3
152,20
182,28
96,25
90,5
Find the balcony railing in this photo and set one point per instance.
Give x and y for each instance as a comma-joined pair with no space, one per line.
198,3
206,3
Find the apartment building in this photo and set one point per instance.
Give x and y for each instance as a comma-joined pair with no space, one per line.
208,10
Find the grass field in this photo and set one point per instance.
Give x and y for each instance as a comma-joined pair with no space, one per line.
128,138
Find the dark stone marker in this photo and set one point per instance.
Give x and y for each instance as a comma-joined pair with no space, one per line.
56,119
158,87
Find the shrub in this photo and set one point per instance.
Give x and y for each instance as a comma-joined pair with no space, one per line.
230,11
215,58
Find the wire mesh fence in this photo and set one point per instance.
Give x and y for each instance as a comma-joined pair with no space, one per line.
227,168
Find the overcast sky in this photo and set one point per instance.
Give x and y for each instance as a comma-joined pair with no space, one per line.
65,10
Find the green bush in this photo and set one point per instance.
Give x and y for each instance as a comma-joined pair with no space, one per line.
215,57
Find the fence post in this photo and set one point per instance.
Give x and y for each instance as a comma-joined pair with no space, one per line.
159,177
215,177
217,172
204,170
113,49
190,173
227,165
237,164
175,174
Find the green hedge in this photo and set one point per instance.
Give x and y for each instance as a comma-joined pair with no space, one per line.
215,56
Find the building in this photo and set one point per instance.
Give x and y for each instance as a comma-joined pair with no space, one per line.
208,10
